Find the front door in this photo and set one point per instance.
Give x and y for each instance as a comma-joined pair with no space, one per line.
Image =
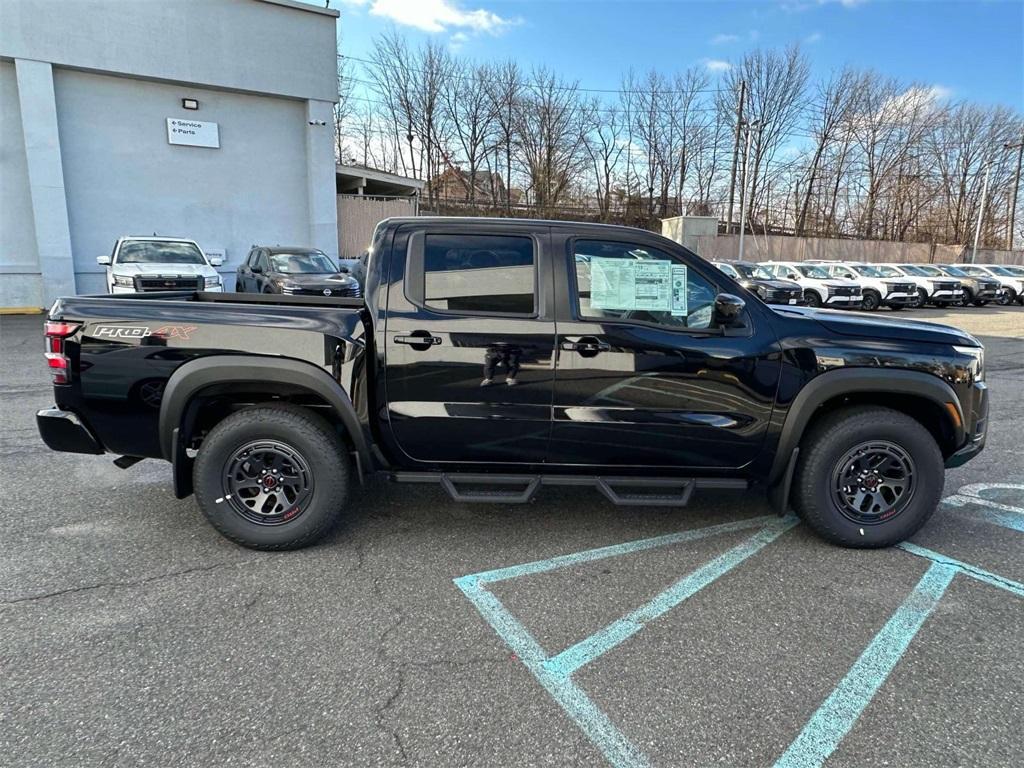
469,343
644,377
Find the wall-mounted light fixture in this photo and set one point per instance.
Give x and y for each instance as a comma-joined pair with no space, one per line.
190,104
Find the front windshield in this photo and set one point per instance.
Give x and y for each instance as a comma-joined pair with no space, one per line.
302,263
1015,271
1001,271
868,271
816,272
955,272
156,252
976,271
888,272
912,269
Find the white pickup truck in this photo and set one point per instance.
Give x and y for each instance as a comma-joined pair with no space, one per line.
142,264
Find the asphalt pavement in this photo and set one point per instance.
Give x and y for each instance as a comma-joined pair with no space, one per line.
429,633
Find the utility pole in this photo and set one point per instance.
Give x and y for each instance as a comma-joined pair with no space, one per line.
1013,196
736,151
743,188
981,213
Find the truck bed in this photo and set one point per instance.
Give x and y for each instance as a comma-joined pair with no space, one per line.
342,302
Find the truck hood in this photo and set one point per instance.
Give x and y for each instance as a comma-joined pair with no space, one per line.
871,328
788,285
131,270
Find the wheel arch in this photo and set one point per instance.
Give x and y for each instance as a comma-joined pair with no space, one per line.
243,377
923,396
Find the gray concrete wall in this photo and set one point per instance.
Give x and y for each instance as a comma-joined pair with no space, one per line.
246,45
123,178
20,281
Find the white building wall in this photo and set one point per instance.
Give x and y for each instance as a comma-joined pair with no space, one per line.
19,261
123,178
84,156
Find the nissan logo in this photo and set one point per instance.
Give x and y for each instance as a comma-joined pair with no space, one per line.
327,291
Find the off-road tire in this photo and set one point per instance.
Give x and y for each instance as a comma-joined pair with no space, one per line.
870,301
811,298
922,297
824,447
305,433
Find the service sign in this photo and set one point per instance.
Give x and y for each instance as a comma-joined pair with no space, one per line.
193,133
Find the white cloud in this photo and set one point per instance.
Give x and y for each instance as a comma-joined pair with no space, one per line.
799,6
723,38
456,41
439,15
717,65
814,37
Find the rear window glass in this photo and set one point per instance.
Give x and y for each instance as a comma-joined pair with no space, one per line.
485,274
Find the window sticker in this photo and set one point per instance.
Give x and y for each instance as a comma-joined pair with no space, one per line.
612,283
679,297
630,284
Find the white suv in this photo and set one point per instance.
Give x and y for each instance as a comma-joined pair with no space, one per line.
143,264
877,288
820,290
941,291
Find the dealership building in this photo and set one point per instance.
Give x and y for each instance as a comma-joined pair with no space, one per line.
204,119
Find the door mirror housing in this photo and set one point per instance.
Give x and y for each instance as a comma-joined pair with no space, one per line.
103,261
729,312
256,269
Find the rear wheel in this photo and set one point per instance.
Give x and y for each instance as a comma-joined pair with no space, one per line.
812,299
868,477
272,478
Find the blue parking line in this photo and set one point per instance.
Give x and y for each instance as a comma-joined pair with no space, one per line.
837,715
577,558
571,659
966,569
616,748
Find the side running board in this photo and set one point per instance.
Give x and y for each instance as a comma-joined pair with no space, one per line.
520,489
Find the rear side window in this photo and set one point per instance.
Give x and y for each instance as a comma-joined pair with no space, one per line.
484,274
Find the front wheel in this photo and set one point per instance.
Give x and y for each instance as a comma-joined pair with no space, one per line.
272,478
868,477
922,297
1006,297
871,301
812,299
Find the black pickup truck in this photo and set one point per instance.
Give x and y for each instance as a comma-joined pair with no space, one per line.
497,356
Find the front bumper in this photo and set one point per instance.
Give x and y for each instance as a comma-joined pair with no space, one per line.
975,427
846,302
900,300
64,431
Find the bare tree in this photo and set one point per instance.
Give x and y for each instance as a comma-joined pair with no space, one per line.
470,112
504,91
605,146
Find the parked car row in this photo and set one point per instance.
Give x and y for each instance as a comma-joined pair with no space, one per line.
858,285
143,264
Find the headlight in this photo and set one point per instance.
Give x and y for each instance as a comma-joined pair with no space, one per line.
289,288
977,365
124,282
213,281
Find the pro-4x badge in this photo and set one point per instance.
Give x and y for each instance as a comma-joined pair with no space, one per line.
181,332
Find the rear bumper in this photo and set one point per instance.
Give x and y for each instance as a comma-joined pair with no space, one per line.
976,428
64,431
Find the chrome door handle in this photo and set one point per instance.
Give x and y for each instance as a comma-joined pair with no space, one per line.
418,341
587,345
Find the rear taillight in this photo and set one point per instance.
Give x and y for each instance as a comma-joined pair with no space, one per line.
56,359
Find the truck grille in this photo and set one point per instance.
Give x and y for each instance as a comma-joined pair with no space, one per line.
901,288
783,295
355,292
843,291
145,283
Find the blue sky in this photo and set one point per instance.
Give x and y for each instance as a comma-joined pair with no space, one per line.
971,49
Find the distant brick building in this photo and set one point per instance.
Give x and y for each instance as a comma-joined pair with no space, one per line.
454,185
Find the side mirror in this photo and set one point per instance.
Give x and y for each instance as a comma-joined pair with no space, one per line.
103,261
792,276
216,261
728,311
256,269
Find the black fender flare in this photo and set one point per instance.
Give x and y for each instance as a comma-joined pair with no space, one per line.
195,375
849,381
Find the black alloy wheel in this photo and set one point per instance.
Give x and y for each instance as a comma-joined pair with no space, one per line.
267,482
871,301
873,482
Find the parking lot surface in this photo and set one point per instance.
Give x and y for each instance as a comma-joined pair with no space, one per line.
564,632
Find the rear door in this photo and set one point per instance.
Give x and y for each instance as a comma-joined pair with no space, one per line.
644,376
469,342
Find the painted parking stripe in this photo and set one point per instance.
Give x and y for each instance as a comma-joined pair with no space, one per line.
616,748
585,651
974,571
1006,515
577,558
837,715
